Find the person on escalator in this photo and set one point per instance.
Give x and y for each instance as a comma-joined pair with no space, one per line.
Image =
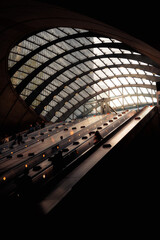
19,139
97,137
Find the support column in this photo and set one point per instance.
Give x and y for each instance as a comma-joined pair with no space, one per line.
137,99
158,95
102,107
107,109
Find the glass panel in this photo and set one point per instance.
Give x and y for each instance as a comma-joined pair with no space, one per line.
84,94
109,83
142,99
98,62
87,79
108,72
63,109
76,70
80,82
132,71
116,61
79,55
124,61
116,71
69,90
124,92
116,50
63,94
83,74
96,88
103,95
130,80
73,101
74,86
144,90
84,41
83,67
100,74
107,61
116,82
105,40
106,50
138,80
129,100
102,85
89,90
116,92
123,70
146,81
115,41
78,97
68,105
130,90
116,102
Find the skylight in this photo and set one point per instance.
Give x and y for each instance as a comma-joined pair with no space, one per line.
59,70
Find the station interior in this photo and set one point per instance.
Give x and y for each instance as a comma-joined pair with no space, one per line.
79,111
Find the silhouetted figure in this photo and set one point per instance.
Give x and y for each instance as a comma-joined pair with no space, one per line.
97,137
37,126
6,139
31,128
42,124
19,139
14,138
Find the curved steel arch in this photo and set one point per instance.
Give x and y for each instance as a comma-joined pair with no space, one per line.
148,68
56,108
85,113
29,78
37,91
76,106
49,98
119,108
44,46
37,22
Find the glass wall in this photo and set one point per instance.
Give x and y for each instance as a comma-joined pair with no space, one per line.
65,73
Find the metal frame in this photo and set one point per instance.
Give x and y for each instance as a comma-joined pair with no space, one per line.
34,93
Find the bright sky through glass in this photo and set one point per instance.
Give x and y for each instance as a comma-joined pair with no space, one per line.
59,71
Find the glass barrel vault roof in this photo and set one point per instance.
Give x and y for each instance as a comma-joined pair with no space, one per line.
65,72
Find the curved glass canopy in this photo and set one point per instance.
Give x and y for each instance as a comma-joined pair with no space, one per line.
65,73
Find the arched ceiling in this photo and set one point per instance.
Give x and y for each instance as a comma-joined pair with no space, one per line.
61,72
20,20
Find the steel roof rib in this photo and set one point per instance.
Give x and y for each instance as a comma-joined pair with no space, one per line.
34,94
37,50
40,107
68,113
52,112
72,66
24,83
